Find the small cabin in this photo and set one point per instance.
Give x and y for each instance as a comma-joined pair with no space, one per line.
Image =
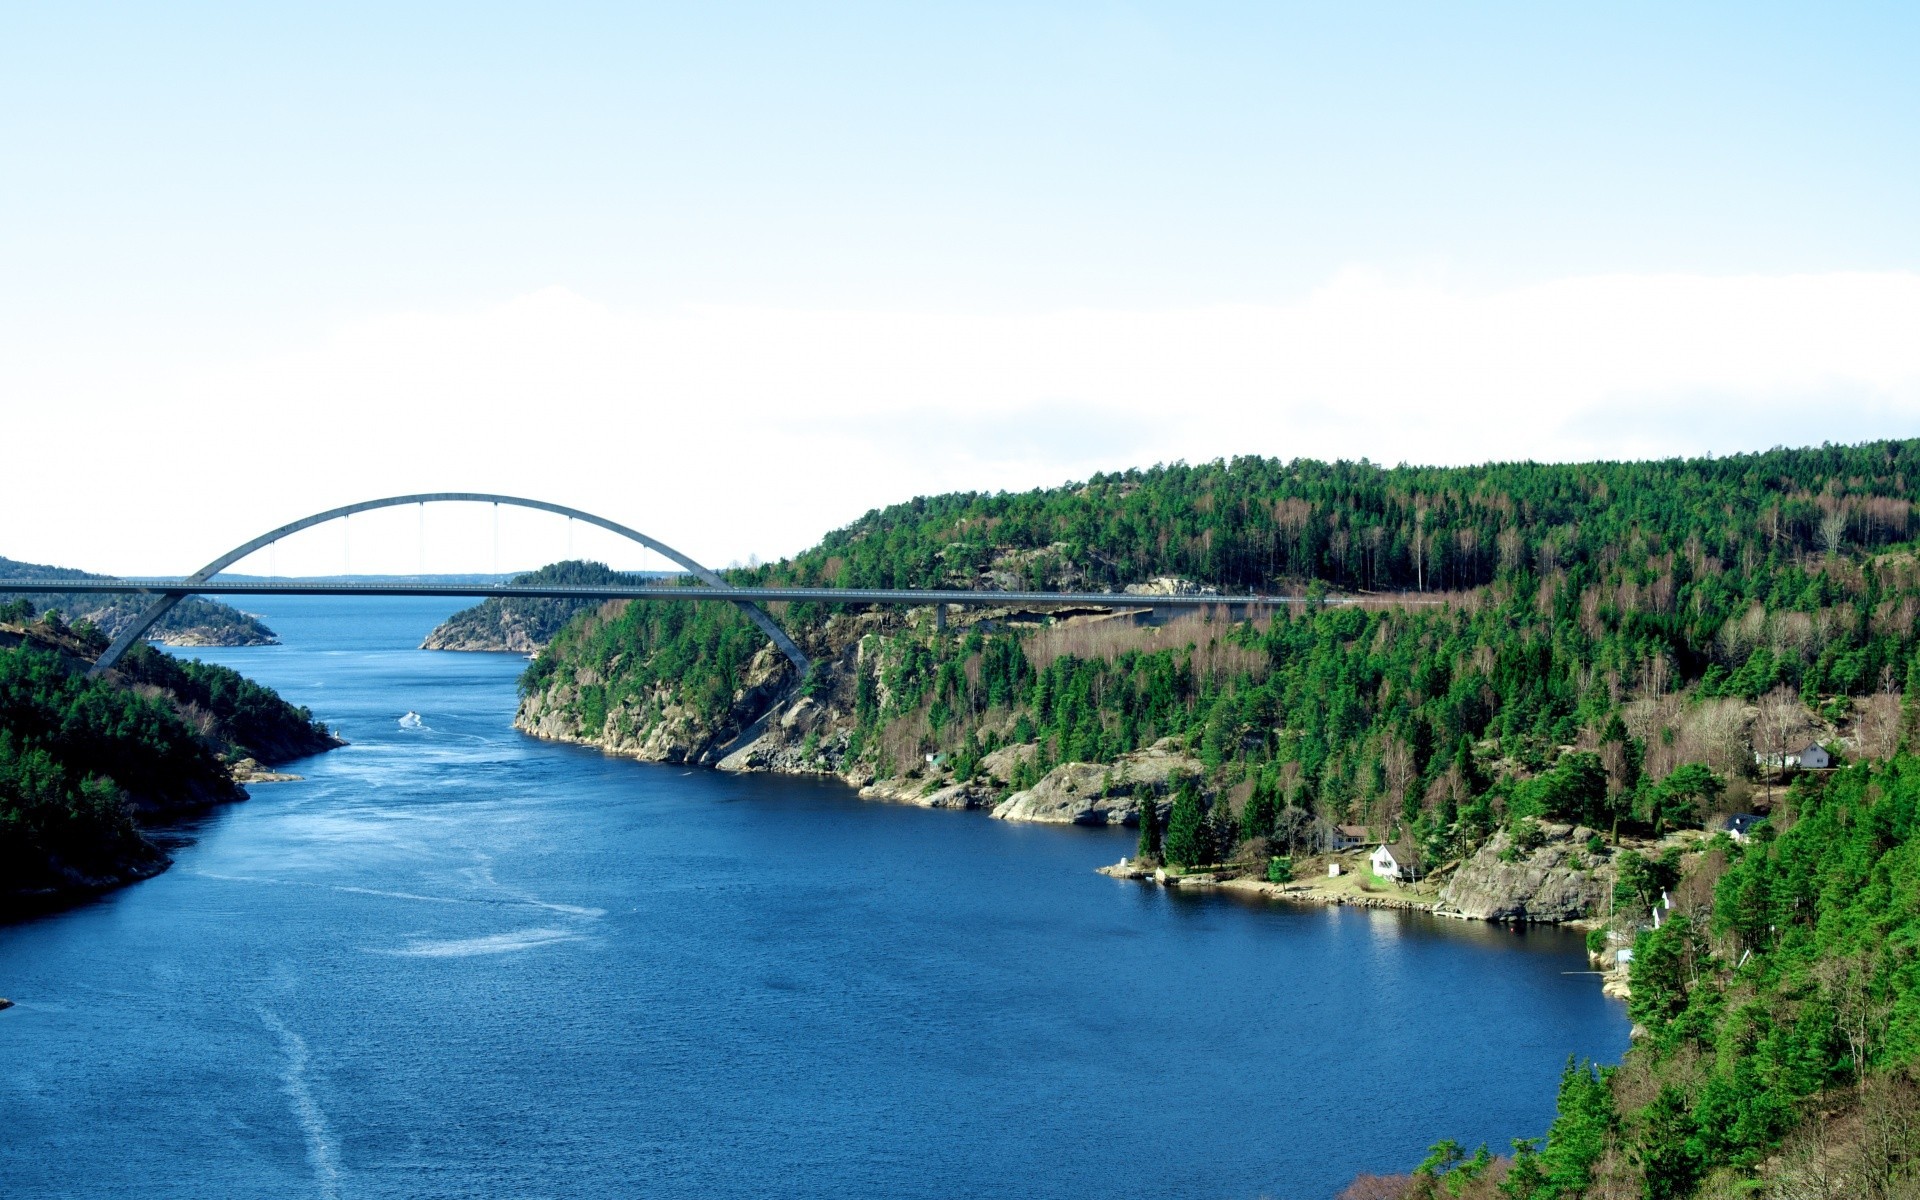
1739,826
1333,870
1815,758
1349,837
1396,862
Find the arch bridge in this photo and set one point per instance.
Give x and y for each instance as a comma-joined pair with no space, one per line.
168,592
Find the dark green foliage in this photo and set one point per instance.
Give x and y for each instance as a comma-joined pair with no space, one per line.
1222,830
1187,842
254,722
1251,522
71,748
1280,870
1800,983
1149,845
1575,790
1448,1167
533,619
1684,797
1263,809
701,649
1578,1136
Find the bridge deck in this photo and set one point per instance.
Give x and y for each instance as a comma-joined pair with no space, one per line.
907,596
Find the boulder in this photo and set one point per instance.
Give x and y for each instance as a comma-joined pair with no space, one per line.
1554,882
1100,793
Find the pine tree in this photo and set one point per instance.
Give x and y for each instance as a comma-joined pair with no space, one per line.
1223,829
1149,848
1186,827
1257,820
1910,707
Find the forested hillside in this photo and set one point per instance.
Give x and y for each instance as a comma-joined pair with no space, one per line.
1651,615
1629,647
1779,1007
85,761
1257,523
192,622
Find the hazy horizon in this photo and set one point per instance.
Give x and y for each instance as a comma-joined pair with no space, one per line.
736,275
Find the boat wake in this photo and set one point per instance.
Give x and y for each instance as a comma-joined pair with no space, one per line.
306,1110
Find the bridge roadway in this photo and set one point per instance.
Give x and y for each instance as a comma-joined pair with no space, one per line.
774,595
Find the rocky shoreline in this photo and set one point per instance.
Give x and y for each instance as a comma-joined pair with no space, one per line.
1233,879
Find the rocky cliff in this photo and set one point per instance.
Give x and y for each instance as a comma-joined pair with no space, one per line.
659,726
1102,793
1558,879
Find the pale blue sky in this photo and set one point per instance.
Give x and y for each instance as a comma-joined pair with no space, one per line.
201,201
246,157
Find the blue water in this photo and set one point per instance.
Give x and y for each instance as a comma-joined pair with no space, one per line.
459,962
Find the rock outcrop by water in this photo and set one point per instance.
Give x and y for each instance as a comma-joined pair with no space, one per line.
1101,793
659,726
1558,880
523,624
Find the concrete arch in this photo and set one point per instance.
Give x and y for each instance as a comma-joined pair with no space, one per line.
162,604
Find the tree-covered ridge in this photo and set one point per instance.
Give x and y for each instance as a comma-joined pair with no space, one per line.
1431,715
84,759
623,658
1642,647
1780,1005
191,622
527,623
1256,523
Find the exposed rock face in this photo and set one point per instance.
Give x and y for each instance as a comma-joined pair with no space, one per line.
507,631
1554,882
657,727
1170,585
1100,794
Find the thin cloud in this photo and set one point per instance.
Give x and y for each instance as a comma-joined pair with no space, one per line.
734,430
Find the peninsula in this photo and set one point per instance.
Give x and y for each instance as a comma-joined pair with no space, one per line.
1666,700
86,763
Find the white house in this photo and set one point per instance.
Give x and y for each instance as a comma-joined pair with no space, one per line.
1813,757
1739,826
1347,837
1391,862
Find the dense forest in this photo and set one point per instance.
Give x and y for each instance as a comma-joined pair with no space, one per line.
85,760
1631,647
1650,615
1779,1007
192,622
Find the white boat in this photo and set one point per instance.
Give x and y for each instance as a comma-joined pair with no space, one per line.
411,721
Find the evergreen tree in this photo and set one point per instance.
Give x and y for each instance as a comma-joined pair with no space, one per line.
1223,829
1149,847
1257,821
1186,843
1910,708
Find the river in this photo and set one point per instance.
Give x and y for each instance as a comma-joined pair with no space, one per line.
458,962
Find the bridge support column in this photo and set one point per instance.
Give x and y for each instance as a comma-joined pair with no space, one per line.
939,618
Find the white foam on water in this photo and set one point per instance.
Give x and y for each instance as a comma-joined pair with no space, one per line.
571,910
493,943
306,1110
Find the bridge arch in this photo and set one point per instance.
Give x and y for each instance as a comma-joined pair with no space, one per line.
161,605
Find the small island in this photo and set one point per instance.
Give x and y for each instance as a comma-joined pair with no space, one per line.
192,622
522,624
